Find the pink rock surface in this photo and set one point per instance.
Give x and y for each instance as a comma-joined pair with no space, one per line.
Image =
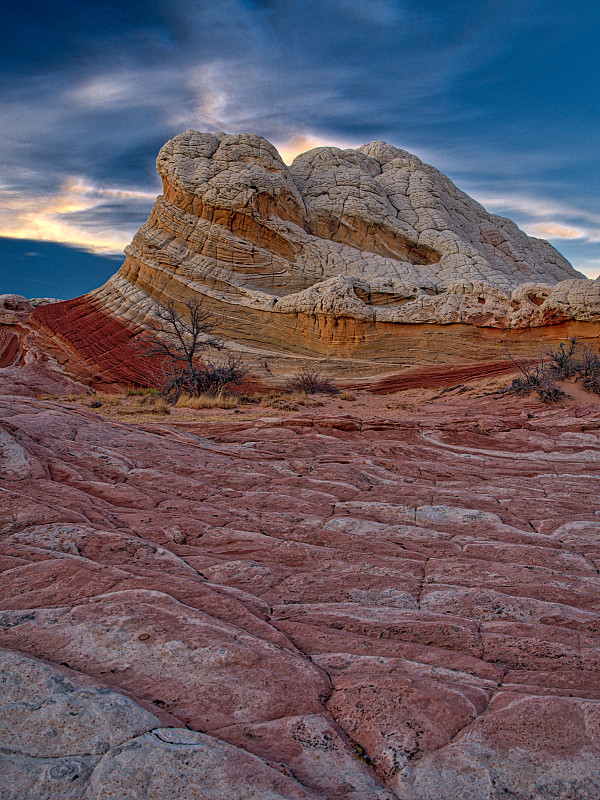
368,609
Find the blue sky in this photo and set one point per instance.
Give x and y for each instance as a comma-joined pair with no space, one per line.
501,95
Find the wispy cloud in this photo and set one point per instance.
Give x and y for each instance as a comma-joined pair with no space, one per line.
87,95
547,218
58,217
555,230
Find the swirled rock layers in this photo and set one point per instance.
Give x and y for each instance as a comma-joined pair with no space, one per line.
356,255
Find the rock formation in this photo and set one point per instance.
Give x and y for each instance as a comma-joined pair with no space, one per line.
308,608
368,259
372,234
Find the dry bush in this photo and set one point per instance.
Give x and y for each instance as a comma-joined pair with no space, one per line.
311,381
200,401
562,363
349,396
288,401
589,369
149,404
575,362
581,363
161,406
536,376
284,401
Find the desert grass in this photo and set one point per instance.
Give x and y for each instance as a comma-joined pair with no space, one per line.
141,392
200,401
125,405
348,396
99,399
288,401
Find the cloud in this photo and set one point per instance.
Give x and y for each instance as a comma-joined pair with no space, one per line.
550,219
65,216
93,92
555,230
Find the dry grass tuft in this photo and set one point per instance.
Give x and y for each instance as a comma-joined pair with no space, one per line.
349,396
99,399
208,401
288,401
134,392
149,405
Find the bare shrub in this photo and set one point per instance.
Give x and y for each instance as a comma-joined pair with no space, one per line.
349,396
219,377
589,369
535,377
178,344
562,362
311,381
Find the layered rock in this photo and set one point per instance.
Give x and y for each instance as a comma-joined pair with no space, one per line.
309,607
372,234
365,260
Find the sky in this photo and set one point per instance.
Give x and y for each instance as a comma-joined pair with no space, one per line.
501,95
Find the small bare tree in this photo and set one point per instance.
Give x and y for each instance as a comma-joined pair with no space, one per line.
178,344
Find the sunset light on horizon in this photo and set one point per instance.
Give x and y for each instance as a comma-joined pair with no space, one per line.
500,96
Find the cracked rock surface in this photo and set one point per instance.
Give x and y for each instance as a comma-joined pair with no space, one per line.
366,260
372,234
300,607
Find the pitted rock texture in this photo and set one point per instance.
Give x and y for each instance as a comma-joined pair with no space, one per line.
372,234
302,607
364,261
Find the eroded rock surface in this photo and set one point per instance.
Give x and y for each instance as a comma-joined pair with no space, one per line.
373,234
368,260
309,607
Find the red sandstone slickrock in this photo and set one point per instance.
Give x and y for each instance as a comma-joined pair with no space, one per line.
317,607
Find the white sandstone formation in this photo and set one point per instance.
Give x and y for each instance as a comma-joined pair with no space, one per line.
372,234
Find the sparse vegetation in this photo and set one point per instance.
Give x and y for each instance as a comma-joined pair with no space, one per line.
99,399
288,401
127,403
572,362
197,402
348,396
153,405
562,365
311,381
180,339
141,392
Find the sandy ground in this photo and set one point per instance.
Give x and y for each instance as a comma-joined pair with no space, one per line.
477,399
